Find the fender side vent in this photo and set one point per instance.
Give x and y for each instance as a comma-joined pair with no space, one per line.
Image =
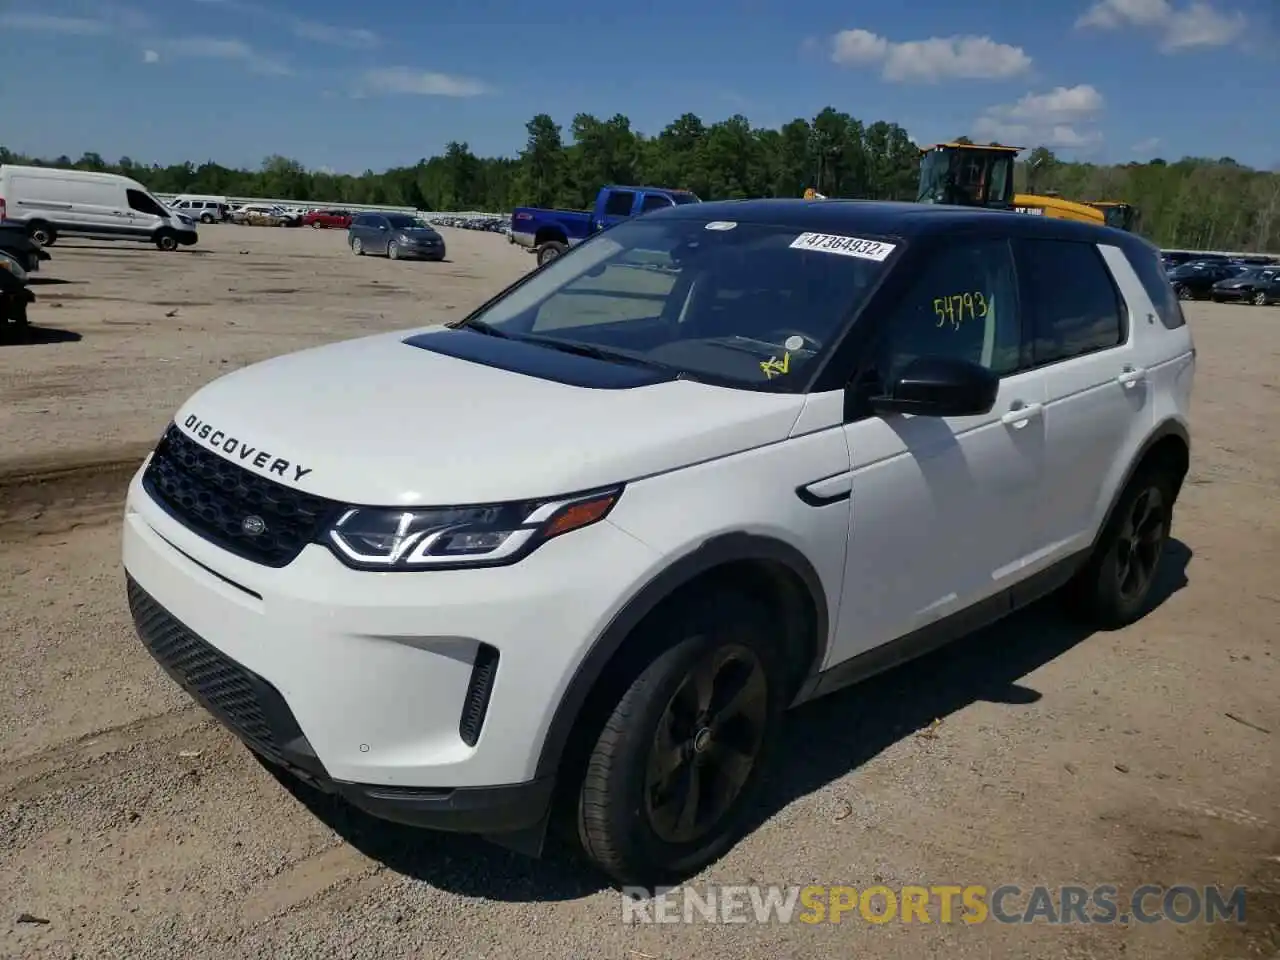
476,703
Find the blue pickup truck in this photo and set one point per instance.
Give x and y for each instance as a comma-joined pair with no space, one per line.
549,233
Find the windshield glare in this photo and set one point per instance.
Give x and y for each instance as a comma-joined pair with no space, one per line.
404,222
733,302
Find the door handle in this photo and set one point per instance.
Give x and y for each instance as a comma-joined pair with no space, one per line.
1132,376
1022,414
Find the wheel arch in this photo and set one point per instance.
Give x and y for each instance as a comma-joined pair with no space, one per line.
1170,443
549,235
765,566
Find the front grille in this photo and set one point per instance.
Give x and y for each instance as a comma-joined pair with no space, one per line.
213,496
233,694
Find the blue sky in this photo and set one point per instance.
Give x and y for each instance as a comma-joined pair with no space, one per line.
349,86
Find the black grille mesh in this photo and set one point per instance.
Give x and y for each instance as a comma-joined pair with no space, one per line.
213,496
476,703
226,689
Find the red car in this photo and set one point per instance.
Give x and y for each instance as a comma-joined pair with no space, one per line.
319,219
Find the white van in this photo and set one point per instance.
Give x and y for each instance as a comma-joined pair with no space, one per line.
54,202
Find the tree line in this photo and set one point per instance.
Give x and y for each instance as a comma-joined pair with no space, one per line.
1196,203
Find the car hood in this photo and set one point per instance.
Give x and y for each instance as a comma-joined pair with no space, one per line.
420,233
376,421
1231,283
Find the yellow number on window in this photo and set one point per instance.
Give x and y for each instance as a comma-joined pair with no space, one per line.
939,310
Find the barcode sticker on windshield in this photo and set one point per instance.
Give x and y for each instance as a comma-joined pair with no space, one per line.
845,246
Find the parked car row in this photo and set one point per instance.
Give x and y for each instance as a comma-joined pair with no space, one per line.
1226,280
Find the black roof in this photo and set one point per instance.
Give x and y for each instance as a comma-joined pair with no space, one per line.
889,218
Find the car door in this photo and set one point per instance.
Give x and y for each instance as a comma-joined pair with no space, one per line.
941,507
145,215
1098,408
617,207
377,234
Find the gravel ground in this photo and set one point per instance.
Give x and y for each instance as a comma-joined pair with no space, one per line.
133,826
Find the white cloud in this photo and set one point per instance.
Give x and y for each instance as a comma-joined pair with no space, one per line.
929,61
354,38
420,82
231,50
1063,118
41,23
1198,24
150,56
1146,146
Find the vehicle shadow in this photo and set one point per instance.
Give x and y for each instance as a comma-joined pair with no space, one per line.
49,281
35,336
826,740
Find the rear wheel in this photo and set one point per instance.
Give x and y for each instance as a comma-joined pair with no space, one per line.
316,224
1260,299
42,233
1182,290
357,247
671,779
550,250
1114,588
206,218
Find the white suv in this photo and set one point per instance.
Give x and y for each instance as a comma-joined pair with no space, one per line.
582,549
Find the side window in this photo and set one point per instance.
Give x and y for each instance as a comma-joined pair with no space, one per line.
1074,304
963,303
1154,281
654,201
619,203
142,203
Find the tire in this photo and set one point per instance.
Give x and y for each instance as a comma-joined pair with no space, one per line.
550,250
1260,299
625,825
1109,591
357,247
42,233
167,240
316,225
393,251
206,218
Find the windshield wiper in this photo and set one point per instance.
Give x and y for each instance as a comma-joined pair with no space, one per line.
479,326
590,350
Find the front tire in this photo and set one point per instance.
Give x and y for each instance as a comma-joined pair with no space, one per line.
1183,291
1114,588
671,780
393,251
357,247
167,240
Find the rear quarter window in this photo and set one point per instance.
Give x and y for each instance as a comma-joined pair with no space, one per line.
1147,265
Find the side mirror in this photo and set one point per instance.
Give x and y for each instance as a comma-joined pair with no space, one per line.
940,387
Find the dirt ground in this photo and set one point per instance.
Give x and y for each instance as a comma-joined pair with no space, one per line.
133,826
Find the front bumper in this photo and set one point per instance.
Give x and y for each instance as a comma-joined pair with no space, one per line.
422,252
359,682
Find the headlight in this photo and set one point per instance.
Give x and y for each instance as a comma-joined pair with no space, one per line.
386,538
8,263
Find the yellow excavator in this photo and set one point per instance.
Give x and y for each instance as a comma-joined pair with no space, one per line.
978,175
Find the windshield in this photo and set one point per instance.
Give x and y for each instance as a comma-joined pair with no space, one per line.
680,198
402,221
738,303
967,177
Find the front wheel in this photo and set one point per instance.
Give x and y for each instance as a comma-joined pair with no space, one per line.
357,247
1183,291
167,240
393,251
670,782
